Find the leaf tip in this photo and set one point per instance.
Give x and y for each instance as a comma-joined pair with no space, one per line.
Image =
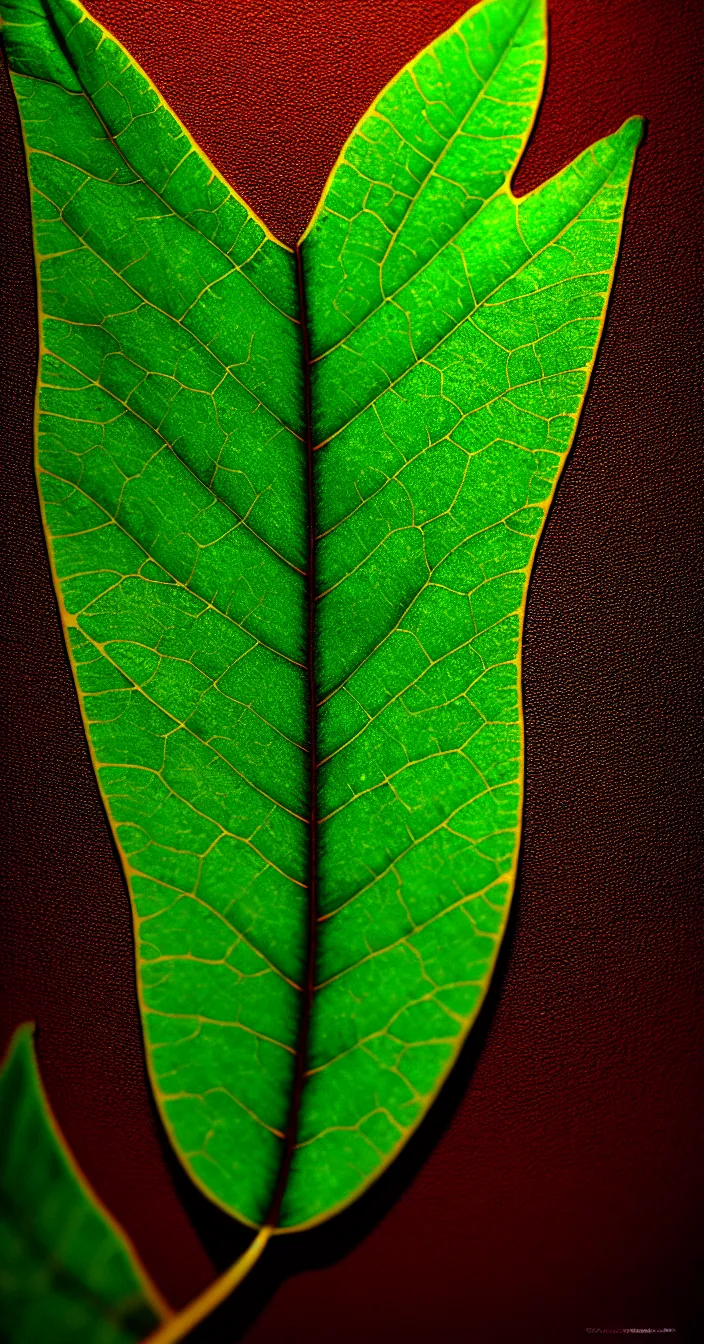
22,1038
632,132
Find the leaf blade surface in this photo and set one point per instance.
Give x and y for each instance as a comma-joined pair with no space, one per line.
441,419
171,475
66,1271
450,330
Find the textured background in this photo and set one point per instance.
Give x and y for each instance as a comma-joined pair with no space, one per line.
553,1187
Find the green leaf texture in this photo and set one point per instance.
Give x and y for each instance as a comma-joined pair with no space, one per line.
67,1273
311,754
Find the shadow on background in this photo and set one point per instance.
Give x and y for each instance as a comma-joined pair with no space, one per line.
225,1239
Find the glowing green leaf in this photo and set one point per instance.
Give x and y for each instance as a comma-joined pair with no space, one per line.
67,1273
292,501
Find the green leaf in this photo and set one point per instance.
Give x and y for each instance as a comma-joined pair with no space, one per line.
292,502
67,1272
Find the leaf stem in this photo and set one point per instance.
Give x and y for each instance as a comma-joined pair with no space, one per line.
180,1325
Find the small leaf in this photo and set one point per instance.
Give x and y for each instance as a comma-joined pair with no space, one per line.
67,1272
292,502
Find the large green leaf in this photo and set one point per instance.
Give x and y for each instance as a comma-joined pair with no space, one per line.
292,501
67,1273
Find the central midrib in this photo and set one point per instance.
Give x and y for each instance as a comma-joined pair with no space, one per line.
291,1131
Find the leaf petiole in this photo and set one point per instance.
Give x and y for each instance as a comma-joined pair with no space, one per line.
180,1325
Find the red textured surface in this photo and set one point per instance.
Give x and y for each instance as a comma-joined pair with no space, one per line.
554,1188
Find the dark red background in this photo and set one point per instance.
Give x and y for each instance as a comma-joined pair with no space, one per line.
553,1188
